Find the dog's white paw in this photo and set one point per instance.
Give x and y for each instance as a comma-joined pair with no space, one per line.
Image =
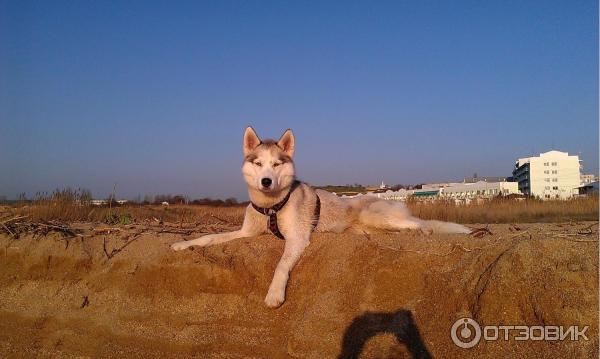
275,298
178,246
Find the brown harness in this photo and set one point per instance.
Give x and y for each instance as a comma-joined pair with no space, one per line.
272,212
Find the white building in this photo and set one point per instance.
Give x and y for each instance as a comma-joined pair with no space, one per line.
459,192
588,178
481,189
402,194
553,174
399,195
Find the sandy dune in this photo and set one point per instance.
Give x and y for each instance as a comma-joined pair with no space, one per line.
385,296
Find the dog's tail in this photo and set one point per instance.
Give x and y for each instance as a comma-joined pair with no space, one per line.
446,227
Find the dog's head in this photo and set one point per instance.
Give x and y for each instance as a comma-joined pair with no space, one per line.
268,165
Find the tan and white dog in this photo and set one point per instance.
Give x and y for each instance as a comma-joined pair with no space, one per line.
293,210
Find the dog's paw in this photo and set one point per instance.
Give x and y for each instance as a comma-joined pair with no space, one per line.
274,298
178,246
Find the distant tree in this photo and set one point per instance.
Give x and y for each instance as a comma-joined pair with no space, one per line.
148,199
231,201
160,198
203,201
85,197
111,199
178,199
215,202
346,188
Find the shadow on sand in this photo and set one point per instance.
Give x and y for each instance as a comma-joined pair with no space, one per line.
366,326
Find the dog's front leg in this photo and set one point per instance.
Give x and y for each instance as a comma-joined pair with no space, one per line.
209,240
294,247
254,224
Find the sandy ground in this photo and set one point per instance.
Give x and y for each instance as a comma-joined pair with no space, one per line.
383,296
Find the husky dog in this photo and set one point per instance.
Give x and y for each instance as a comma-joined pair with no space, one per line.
292,210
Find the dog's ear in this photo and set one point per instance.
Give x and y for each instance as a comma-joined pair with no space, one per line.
286,142
251,140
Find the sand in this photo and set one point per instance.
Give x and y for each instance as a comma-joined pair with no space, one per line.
390,295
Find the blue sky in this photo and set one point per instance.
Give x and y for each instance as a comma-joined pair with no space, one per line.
154,96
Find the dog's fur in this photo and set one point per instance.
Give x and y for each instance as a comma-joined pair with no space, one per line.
273,160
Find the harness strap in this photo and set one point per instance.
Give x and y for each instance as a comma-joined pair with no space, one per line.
272,212
316,213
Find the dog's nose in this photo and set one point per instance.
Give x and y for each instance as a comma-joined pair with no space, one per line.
266,182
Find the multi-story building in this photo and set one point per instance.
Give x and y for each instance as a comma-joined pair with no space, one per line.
552,174
588,178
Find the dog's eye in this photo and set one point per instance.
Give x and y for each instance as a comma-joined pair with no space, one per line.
258,164
276,164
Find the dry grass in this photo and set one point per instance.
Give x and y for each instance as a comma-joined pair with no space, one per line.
510,211
74,206
70,206
132,213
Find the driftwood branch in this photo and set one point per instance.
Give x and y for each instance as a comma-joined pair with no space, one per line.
105,230
65,230
15,226
176,231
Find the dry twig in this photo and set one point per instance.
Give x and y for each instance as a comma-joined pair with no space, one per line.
115,251
86,302
220,219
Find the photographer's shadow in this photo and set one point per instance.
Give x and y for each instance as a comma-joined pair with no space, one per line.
366,326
